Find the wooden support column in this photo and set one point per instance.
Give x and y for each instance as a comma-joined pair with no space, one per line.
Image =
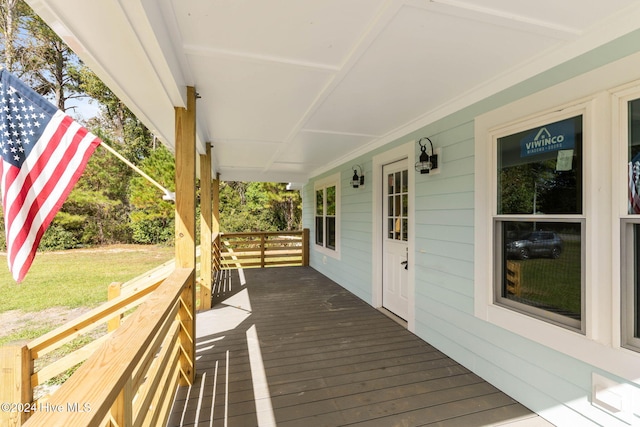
186,228
305,247
215,225
206,219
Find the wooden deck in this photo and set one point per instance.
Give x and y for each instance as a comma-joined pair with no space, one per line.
292,348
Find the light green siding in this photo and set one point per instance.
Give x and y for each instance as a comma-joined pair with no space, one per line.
548,381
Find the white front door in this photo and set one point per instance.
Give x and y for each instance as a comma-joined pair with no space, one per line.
395,275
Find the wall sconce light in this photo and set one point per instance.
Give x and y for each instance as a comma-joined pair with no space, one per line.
426,162
357,181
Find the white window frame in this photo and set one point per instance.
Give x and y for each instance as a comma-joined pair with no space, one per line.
621,98
323,184
600,344
510,129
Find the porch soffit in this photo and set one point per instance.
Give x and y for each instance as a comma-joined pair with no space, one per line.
290,88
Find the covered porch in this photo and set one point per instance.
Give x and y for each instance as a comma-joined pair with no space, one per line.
299,92
289,347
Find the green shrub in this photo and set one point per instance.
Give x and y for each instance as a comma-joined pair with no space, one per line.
56,238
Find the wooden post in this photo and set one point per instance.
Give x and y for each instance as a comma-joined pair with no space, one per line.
305,247
16,367
206,219
185,228
113,291
514,278
262,249
215,224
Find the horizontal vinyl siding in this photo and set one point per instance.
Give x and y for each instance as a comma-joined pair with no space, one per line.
547,381
353,270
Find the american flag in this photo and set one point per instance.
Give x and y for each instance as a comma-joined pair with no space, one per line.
44,152
634,182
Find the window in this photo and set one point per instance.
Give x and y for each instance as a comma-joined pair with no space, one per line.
630,227
599,327
398,205
327,215
539,222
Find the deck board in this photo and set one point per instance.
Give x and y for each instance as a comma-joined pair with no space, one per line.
329,359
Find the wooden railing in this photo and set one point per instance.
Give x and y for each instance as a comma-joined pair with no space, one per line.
131,373
262,249
34,364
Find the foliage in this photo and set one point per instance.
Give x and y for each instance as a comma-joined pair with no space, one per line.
12,46
152,218
258,206
135,140
537,186
51,66
58,238
110,203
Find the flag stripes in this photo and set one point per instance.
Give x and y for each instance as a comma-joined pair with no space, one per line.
35,192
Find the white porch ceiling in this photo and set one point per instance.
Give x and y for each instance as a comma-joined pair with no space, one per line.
290,88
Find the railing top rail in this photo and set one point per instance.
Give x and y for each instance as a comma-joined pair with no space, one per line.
263,233
99,380
101,312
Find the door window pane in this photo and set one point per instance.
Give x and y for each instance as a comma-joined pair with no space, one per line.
540,170
398,206
405,181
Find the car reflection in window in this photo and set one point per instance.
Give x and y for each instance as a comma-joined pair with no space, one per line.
536,244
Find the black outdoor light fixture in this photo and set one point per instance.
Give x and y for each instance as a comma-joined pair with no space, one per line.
357,181
426,162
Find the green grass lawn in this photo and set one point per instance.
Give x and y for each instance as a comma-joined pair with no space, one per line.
555,282
78,277
65,281
59,282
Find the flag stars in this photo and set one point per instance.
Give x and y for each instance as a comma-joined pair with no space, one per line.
21,124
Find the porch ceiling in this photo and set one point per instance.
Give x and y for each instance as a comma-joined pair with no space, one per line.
290,88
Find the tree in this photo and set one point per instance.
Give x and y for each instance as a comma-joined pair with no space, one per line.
51,68
132,139
152,218
11,16
99,202
258,206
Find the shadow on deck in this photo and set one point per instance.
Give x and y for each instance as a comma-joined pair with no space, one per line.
289,347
